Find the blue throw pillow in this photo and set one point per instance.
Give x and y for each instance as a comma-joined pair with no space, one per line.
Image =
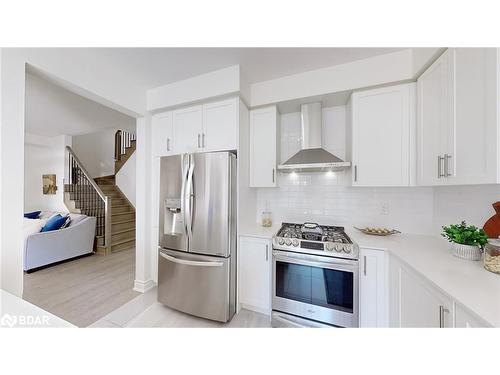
54,223
32,215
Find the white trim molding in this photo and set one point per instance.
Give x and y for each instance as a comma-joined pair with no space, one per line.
143,286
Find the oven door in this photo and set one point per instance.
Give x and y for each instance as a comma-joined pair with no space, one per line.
323,289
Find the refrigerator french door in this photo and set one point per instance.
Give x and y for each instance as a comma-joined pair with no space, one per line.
197,234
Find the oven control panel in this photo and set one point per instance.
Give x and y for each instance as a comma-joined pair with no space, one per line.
338,250
312,245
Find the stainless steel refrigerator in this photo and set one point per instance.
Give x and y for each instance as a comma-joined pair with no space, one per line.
197,234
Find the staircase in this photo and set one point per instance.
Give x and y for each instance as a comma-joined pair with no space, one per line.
100,197
122,218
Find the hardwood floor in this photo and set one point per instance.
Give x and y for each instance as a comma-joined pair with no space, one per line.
84,290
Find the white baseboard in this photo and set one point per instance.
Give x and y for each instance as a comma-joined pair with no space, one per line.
254,308
143,286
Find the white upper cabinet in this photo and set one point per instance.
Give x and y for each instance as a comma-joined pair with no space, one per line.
434,116
373,304
220,125
201,128
473,139
188,128
163,140
264,150
457,119
382,134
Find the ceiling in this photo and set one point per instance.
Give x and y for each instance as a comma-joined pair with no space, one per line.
52,111
153,67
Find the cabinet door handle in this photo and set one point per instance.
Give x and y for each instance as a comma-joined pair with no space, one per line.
273,175
442,311
168,144
267,253
440,171
198,140
446,165
202,139
364,265
355,173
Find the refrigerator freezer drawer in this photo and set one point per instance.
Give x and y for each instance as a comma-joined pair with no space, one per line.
196,284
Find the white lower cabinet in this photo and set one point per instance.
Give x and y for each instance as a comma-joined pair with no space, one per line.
372,289
466,319
254,280
415,302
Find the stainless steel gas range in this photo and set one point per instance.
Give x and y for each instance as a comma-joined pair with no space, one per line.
315,277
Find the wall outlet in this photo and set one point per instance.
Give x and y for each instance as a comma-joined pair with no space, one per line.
384,208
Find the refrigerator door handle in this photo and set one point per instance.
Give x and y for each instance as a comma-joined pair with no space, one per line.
185,170
189,198
191,262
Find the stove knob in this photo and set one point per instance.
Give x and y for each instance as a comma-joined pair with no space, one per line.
288,242
281,241
295,242
338,248
347,249
329,246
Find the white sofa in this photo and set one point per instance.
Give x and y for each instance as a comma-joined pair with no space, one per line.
44,248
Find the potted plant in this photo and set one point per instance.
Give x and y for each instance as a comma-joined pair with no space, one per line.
467,241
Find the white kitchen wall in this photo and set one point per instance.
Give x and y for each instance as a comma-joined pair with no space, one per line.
44,155
328,198
471,203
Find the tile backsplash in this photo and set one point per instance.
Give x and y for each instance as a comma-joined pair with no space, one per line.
326,198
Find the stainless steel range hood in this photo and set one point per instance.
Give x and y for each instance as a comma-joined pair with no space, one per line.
312,157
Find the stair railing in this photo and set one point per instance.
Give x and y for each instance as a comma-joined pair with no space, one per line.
123,140
92,200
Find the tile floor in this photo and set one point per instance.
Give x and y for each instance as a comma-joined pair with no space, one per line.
144,312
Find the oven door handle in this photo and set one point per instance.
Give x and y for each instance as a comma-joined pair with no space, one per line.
347,265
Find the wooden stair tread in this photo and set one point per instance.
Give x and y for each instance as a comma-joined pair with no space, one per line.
124,221
123,231
123,241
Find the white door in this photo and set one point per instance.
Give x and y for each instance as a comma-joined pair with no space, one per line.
254,258
372,289
162,134
421,305
472,140
187,126
263,146
382,124
220,125
434,112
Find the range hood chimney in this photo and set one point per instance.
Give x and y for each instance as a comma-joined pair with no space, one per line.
312,157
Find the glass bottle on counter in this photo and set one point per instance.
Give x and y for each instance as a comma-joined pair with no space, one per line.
492,256
267,217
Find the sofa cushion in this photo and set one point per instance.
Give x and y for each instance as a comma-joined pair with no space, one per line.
54,223
32,215
47,214
75,219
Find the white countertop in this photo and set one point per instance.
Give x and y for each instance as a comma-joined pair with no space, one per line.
257,230
465,281
16,312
